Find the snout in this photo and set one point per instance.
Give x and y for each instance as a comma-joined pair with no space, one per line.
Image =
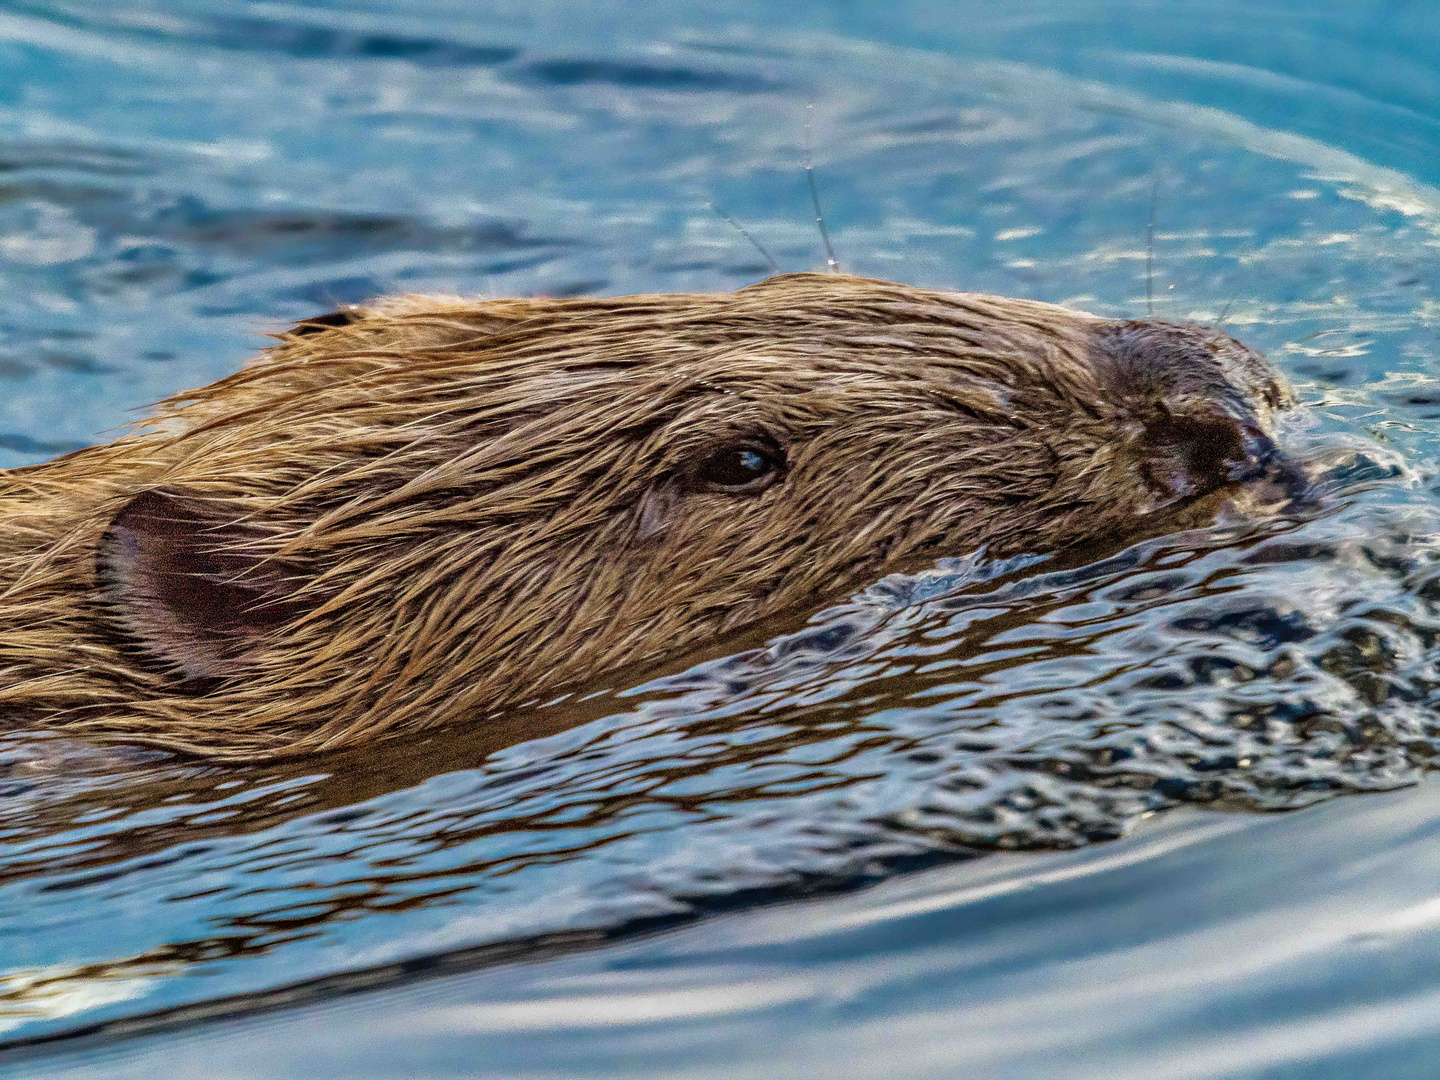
1205,404
1220,444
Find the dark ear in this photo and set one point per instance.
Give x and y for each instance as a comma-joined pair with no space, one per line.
318,324
193,591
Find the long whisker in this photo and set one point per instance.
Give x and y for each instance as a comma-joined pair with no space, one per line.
1317,334
814,192
745,233
1150,250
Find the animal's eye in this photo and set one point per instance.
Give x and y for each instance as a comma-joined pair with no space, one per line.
742,469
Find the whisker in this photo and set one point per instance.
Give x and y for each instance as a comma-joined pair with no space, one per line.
1318,334
1150,250
745,233
814,191
1242,270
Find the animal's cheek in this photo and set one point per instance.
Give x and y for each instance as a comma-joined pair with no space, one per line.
656,511
668,510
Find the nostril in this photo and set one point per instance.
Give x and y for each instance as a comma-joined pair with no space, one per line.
1265,462
1259,455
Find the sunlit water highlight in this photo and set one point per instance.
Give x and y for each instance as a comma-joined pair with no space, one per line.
175,176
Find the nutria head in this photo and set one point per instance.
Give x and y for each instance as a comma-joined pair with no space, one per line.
424,509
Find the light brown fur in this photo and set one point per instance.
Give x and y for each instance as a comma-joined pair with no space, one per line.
452,506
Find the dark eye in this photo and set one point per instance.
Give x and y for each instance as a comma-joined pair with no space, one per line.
741,469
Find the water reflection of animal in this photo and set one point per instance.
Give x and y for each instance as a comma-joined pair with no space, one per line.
425,508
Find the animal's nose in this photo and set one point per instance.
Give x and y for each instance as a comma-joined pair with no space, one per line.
1265,463
1204,403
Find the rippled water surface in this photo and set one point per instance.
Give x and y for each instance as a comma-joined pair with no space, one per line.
997,817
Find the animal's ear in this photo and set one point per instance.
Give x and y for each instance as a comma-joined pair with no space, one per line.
194,591
318,324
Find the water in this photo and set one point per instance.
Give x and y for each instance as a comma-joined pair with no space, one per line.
1000,820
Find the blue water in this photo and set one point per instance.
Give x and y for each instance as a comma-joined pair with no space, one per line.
996,821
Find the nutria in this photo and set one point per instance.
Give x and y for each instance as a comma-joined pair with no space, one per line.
429,508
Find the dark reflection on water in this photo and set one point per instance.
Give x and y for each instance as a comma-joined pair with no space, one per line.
307,40
178,174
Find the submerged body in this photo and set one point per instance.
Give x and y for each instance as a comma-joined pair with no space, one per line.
427,509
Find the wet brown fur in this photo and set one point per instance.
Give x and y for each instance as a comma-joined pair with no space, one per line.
442,507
